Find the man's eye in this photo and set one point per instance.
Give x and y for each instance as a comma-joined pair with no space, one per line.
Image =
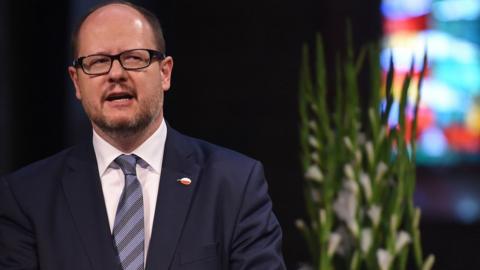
133,58
99,61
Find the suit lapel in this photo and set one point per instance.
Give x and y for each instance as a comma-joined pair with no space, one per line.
173,201
83,191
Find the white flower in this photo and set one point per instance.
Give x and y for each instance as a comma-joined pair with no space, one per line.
403,239
300,224
323,216
347,243
315,195
348,170
313,173
370,152
366,185
313,125
351,186
381,170
361,137
366,240
345,206
374,213
384,259
348,143
333,242
358,156
353,227
427,265
313,141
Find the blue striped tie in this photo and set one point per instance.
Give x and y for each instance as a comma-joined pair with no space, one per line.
128,229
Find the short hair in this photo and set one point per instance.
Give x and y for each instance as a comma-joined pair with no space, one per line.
150,17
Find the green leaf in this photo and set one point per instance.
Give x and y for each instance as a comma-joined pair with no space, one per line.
388,90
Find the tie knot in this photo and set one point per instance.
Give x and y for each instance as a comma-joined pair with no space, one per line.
127,164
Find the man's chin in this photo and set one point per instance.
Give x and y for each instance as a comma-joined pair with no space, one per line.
122,127
120,123
116,126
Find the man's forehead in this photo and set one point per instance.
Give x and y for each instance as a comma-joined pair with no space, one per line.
113,28
115,12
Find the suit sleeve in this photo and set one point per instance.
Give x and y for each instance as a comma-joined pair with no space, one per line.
257,236
17,242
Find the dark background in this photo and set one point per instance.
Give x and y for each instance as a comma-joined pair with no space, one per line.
234,83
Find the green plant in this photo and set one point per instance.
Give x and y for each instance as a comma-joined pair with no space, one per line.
360,173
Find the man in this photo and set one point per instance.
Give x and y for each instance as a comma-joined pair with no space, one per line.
139,195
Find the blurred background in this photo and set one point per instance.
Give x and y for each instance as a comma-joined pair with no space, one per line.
235,84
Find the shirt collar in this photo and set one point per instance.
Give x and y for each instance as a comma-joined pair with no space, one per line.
150,151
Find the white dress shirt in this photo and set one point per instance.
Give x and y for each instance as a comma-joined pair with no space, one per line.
148,173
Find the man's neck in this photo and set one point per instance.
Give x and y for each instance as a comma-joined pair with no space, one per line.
128,143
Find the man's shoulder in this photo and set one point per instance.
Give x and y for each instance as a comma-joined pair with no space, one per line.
224,168
45,168
207,152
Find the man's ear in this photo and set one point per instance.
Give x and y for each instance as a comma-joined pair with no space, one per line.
166,70
74,77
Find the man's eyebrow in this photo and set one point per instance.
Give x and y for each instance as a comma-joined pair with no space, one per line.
108,53
95,53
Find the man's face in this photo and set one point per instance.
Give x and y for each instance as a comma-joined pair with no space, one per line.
123,102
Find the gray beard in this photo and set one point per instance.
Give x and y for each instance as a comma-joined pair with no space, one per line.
122,130
150,111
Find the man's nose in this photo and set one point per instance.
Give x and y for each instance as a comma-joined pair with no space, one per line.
117,71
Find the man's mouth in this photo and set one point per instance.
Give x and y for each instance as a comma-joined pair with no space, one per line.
119,96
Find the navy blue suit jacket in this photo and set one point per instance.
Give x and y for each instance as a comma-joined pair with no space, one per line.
53,216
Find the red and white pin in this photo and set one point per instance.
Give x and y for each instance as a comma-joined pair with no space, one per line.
184,181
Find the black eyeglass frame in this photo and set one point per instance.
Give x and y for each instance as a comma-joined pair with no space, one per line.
153,54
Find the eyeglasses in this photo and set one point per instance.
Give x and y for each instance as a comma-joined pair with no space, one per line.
99,64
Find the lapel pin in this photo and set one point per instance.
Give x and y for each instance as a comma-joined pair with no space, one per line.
184,181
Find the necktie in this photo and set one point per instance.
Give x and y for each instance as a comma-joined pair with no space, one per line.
128,229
